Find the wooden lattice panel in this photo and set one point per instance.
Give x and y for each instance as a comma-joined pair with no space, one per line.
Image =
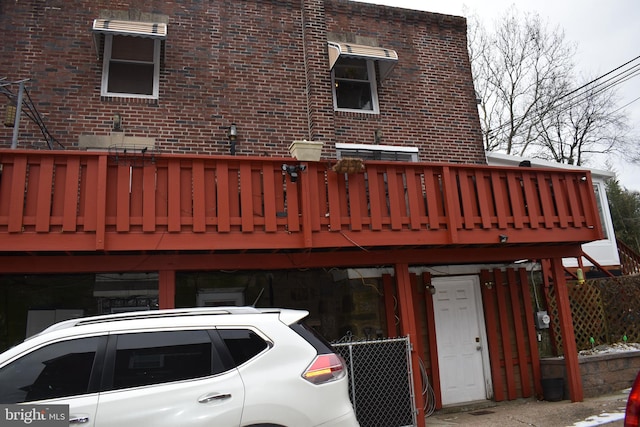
605,309
589,320
621,298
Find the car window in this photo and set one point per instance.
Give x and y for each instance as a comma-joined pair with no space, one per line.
158,357
56,370
321,345
243,344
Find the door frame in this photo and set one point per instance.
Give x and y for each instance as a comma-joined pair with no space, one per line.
482,330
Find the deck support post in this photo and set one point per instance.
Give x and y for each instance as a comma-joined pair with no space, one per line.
166,289
409,327
569,346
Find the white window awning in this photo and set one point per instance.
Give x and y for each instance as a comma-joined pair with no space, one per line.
155,30
386,58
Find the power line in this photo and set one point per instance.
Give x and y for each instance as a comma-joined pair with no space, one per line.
583,92
602,76
626,105
597,89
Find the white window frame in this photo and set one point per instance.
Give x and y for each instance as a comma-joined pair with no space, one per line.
348,149
108,42
371,76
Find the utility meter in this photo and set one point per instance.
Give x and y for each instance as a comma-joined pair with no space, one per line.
542,320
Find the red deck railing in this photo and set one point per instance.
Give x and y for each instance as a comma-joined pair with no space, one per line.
87,201
629,259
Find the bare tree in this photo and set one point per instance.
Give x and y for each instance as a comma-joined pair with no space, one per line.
523,74
585,124
520,69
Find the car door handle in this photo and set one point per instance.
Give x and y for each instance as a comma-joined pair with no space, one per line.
78,419
214,396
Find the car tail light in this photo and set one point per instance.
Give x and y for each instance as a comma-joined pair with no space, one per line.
325,368
632,415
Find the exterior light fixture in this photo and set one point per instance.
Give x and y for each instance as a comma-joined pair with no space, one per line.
117,122
503,238
233,136
10,115
293,171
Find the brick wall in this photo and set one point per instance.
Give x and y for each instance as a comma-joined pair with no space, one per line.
601,374
261,64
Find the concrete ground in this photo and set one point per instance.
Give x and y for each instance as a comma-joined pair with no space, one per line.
603,410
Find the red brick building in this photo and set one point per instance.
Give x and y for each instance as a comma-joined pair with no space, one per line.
166,157
261,65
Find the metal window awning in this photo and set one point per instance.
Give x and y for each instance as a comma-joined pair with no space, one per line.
386,58
155,30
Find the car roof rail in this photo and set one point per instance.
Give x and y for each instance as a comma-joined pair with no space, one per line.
156,314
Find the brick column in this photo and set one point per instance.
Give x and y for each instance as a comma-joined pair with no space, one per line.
319,94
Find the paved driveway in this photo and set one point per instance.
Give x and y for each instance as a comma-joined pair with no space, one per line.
603,410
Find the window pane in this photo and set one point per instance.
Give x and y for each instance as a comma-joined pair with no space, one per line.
355,69
354,95
57,370
130,78
132,48
596,190
243,344
158,357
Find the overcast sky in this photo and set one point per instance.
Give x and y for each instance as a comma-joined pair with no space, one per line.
607,35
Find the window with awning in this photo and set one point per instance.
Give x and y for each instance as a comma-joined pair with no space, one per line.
385,58
353,74
131,57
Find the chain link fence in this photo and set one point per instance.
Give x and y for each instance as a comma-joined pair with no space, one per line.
380,385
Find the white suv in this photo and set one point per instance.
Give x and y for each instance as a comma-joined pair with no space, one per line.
231,366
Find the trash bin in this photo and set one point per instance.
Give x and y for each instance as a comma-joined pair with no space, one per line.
553,389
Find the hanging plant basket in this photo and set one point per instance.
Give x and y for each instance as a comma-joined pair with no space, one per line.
348,165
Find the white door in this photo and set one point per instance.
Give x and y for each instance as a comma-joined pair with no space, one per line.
460,338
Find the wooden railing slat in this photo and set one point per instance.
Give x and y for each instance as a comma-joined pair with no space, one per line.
222,179
531,200
414,193
484,199
466,199
246,198
396,198
44,178
269,193
432,187
148,199
199,197
174,201
122,198
375,198
515,195
18,178
89,195
546,201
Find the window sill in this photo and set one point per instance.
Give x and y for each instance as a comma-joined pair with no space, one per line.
129,100
355,113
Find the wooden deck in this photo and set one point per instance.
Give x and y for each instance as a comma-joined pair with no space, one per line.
86,201
74,212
